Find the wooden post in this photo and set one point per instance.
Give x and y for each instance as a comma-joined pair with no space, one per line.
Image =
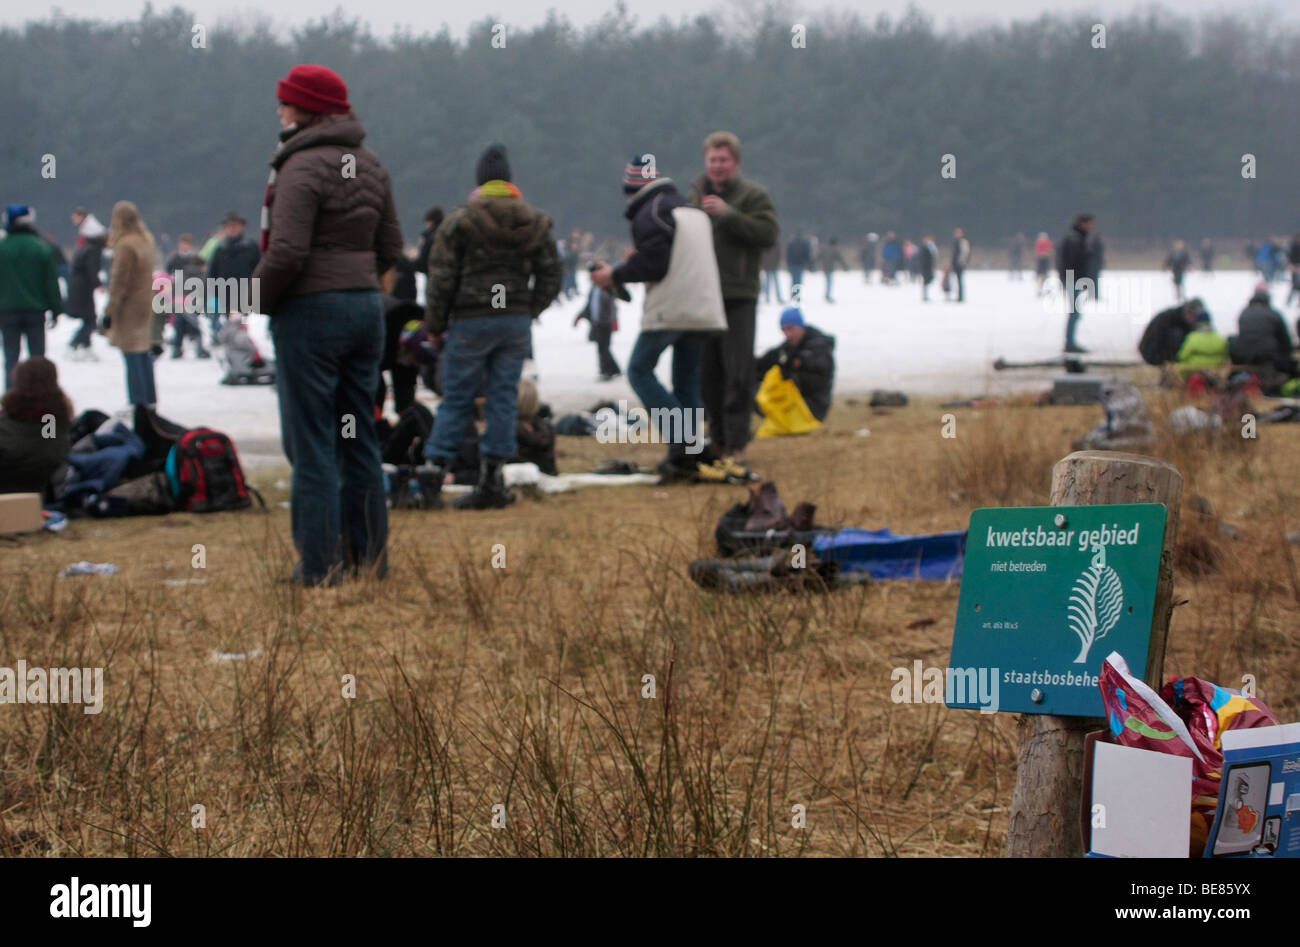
1049,773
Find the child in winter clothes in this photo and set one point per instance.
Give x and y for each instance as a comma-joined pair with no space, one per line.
244,363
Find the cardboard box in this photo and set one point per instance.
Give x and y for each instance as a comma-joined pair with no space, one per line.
20,513
1136,803
1259,802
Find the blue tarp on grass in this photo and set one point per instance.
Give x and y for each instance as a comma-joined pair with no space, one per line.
886,556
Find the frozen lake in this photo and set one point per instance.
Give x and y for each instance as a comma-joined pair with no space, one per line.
886,337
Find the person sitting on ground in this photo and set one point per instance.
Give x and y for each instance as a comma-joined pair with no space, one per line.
807,357
244,363
1202,350
1262,337
35,419
1166,331
534,431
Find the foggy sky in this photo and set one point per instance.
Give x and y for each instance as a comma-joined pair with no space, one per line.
423,17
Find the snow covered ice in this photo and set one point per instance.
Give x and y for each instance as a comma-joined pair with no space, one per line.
886,337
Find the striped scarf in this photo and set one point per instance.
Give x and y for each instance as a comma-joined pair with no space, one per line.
285,135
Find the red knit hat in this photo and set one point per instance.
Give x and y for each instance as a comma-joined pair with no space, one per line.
315,89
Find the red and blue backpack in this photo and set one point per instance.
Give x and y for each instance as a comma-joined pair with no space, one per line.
205,474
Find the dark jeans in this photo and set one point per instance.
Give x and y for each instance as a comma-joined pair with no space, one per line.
683,401
404,378
796,283
140,387
327,349
491,346
961,284
185,325
601,335
771,282
81,340
14,325
728,372
1072,321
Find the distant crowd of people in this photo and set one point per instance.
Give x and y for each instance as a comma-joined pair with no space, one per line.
119,263
331,271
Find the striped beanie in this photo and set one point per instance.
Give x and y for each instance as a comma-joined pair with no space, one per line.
639,172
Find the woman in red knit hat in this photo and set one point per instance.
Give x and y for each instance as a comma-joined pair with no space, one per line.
329,230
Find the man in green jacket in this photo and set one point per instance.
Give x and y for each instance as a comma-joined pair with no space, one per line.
744,225
29,286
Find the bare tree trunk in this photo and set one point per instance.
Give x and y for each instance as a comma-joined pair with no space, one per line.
1049,774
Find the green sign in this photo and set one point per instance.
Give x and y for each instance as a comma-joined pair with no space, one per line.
1046,593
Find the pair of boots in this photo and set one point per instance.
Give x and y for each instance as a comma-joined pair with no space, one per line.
489,493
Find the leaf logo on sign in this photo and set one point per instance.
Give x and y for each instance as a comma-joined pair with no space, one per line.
1096,602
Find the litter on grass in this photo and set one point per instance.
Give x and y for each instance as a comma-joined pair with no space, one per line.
221,656
89,568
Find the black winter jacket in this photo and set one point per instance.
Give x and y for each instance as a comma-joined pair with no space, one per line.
234,259
798,252
814,376
653,229
1080,252
1262,336
1164,336
83,278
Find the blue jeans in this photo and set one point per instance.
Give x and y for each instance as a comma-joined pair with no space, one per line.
140,388
81,340
481,346
327,349
688,352
771,281
13,326
796,280
1073,315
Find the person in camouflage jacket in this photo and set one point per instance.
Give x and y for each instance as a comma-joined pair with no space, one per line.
492,257
493,268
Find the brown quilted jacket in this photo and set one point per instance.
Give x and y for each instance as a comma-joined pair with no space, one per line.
334,225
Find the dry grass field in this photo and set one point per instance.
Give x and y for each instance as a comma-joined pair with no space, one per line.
521,687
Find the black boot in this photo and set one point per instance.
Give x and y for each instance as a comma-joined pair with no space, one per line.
401,494
490,493
430,477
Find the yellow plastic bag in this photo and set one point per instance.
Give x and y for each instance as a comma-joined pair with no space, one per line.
785,412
